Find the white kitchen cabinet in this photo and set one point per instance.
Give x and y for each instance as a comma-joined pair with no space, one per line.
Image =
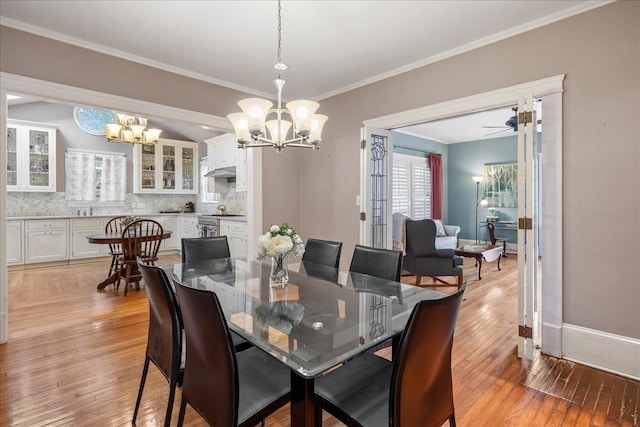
47,240
80,229
236,233
170,166
15,247
221,151
31,157
187,228
171,224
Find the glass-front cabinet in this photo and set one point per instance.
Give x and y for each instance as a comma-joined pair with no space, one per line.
165,167
31,157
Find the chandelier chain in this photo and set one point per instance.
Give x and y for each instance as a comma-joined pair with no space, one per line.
279,33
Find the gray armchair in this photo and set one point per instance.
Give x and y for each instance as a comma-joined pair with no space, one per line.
423,259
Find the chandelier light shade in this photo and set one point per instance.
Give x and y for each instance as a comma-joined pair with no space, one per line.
131,129
301,128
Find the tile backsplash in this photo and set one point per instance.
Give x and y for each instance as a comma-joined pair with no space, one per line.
47,204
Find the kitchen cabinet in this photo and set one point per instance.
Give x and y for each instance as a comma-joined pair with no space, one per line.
47,240
221,151
80,229
236,233
168,223
15,247
187,228
31,157
166,167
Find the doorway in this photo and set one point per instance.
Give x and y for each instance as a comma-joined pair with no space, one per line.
550,90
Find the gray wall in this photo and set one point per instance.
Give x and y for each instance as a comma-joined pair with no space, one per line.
597,50
70,135
467,159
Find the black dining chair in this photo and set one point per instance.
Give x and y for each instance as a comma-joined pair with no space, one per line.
382,263
323,252
164,341
205,248
415,390
224,387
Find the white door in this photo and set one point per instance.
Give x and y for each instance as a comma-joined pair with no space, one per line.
527,248
376,163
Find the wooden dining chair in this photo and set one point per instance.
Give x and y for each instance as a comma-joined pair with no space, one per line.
323,252
140,239
165,345
115,249
497,240
415,390
226,388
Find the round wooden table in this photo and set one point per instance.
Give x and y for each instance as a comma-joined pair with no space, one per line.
112,239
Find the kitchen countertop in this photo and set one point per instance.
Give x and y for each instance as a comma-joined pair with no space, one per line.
69,216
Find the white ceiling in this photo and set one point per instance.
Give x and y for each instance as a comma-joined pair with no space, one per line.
330,46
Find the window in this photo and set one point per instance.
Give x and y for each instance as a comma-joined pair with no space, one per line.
93,177
411,186
207,187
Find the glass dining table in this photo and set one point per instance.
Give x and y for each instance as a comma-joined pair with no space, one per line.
323,317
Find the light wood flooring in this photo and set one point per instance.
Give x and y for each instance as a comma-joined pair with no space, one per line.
75,356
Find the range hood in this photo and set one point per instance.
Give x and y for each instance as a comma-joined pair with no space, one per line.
228,172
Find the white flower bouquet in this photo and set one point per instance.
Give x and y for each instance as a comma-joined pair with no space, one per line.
279,240
277,243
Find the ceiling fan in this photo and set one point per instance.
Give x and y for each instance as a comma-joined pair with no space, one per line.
511,124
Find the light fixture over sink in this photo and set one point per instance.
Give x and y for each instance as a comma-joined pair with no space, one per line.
251,125
131,129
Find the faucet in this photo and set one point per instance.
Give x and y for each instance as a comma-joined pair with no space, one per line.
90,210
84,212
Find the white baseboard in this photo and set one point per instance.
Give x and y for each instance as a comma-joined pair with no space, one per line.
608,352
552,339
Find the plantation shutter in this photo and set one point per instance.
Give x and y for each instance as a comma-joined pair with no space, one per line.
401,188
421,194
411,186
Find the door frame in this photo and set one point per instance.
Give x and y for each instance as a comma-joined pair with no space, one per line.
80,96
550,89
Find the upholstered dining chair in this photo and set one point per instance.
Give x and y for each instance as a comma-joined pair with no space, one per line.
415,390
497,240
423,259
209,248
382,263
165,345
140,239
204,248
323,252
221,385
114,225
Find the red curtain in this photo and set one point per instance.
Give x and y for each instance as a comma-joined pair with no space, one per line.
435,164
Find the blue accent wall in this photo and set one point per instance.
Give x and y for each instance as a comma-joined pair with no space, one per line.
416,146
467,159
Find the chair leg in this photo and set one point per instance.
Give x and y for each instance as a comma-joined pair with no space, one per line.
142,381
452,420
418,280
317,414
172,394
459,281
183,407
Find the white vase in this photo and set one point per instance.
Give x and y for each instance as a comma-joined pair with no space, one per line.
279,270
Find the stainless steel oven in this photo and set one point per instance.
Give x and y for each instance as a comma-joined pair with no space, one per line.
208,226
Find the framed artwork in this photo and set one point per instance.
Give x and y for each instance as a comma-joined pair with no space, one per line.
501,184
92,121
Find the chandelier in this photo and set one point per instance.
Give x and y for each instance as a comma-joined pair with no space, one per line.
251,124
131,129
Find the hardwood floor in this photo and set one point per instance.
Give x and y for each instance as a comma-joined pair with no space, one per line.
75,356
